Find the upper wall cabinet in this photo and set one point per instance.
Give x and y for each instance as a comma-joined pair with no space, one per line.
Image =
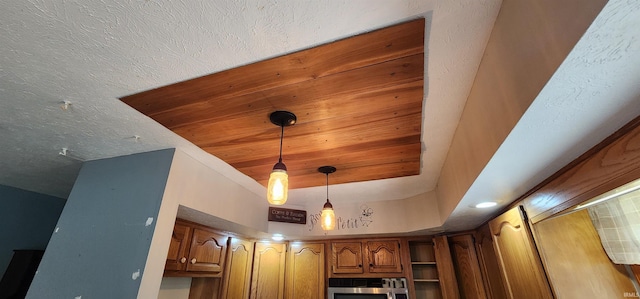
207,251
347,257
372,258
267,281
384,256
486,253
238,269
518,258
467,267
178,248
304,276
195,251
576,262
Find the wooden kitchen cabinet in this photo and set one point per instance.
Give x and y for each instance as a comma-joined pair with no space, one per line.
238,269
384,256
267,279
426,283
518,259
304,278
432,271
178,248
195,251
347,257
207,251
371,258
467,267
489,263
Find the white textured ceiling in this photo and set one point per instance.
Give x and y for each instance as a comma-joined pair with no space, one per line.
91,53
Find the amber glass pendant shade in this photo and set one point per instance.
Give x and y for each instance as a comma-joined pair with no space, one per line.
278,186
328,216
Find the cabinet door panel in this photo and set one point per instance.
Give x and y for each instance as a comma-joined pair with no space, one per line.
305,271
238,275
347,257
446,272
384,256
489,264
207,251
177,255
577,265
467,267
518,258
267,281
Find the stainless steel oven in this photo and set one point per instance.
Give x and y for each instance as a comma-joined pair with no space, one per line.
367,288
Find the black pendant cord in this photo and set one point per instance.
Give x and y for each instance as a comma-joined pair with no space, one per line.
281,137
327,188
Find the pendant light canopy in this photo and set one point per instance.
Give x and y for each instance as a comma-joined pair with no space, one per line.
277,189
328,216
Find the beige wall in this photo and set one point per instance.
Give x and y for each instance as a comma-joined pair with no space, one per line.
386,217
530,39
175,288
203,189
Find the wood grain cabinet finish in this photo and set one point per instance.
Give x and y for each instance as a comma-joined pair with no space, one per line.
576,263
195,251
467,267
267,279
518,258
384,256
304,278
207,251
446,272
368,258
180,241
489,263
347,257
424,282
238,269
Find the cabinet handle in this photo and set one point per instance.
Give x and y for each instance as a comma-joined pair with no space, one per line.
183,260
371,265
360,266
193,260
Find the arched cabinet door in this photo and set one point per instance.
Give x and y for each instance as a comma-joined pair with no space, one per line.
384,256
238,269
207,251
304,278
267,281
518,258
347,257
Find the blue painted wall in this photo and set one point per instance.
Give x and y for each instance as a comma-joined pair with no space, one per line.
103,237
27,220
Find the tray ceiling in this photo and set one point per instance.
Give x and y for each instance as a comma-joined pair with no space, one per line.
358,103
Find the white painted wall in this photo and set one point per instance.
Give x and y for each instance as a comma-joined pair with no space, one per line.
175,288
380,217
203,189
196,187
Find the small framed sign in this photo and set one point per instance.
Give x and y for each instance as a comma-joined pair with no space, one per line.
287,215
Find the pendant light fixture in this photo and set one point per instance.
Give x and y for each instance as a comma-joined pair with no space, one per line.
277,189
328,216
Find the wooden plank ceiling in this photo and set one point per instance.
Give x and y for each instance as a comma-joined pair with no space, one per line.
358,102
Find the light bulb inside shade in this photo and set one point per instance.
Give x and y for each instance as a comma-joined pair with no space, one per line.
328,218
278,186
